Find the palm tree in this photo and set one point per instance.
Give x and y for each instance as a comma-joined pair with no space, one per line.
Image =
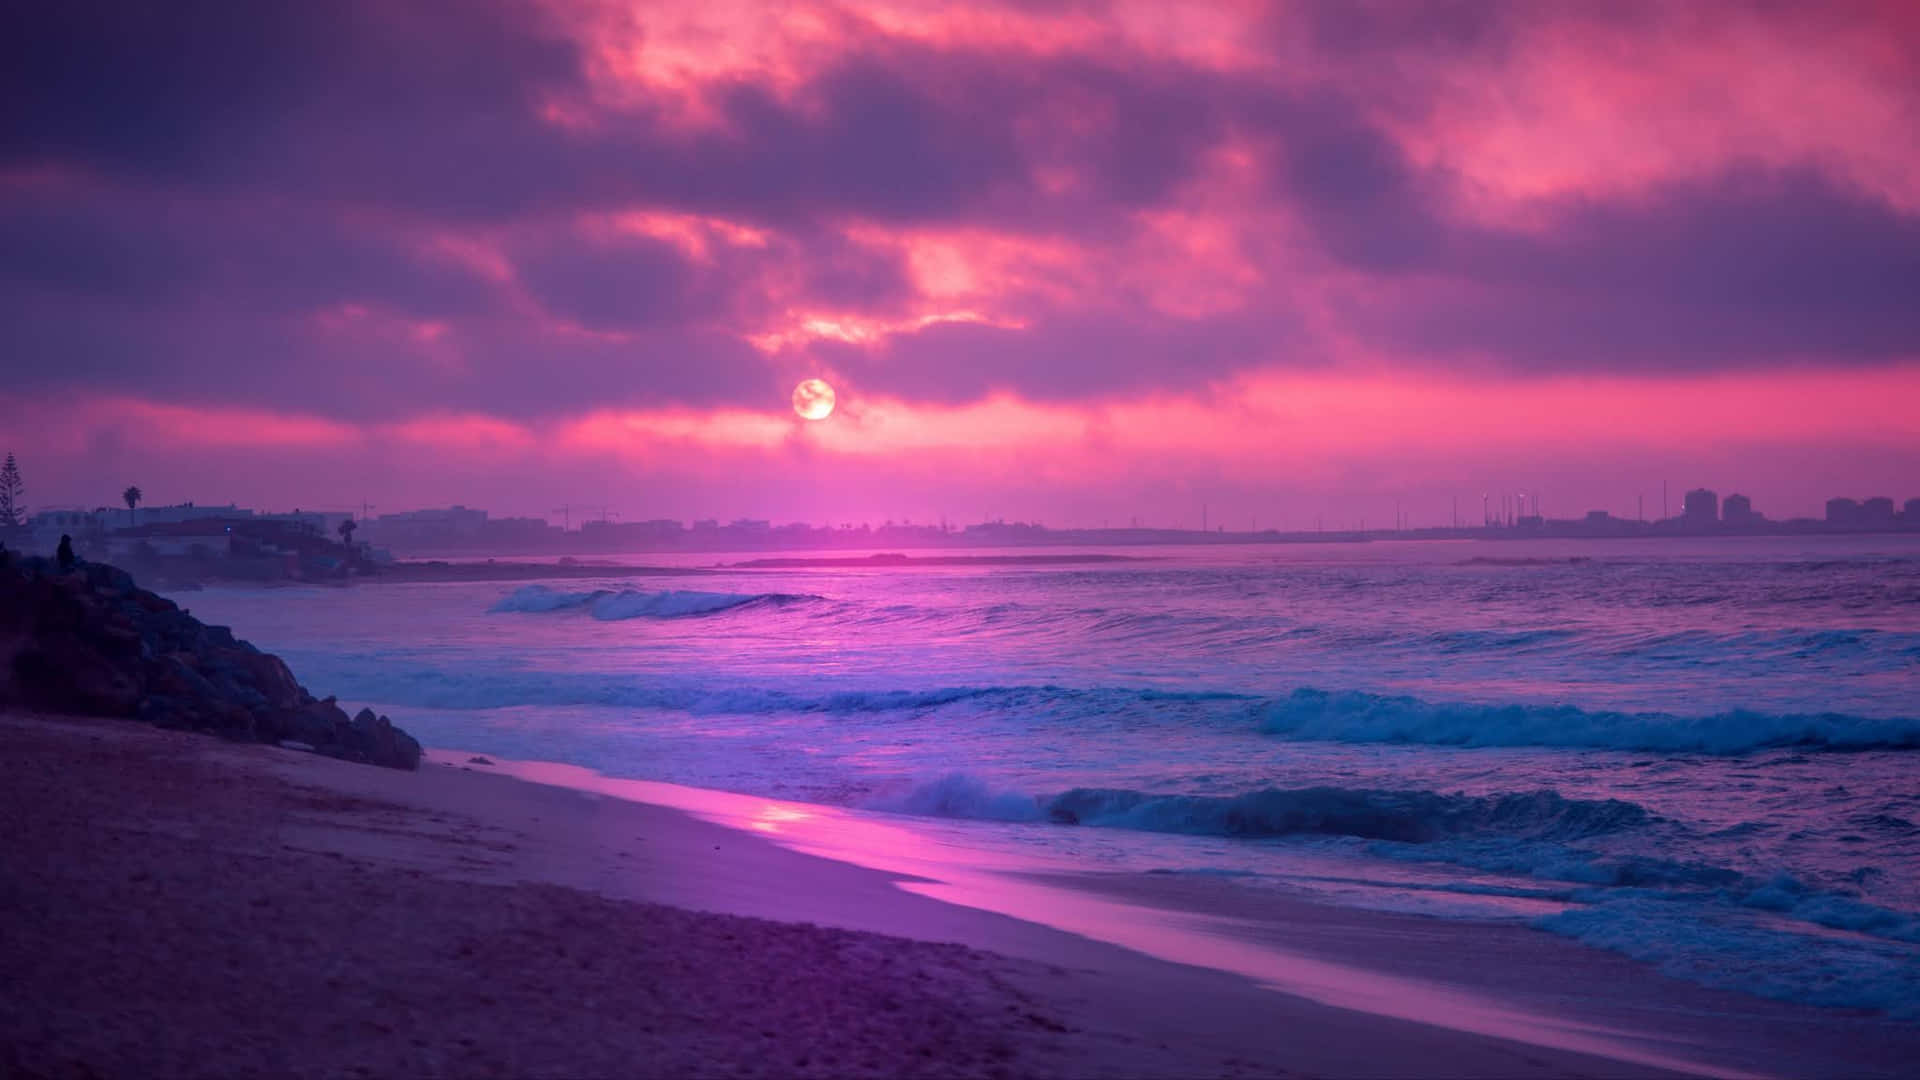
133,496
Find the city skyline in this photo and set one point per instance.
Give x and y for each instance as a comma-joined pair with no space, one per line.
1699,511
1405,512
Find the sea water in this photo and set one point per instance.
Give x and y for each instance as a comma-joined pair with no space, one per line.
1702,753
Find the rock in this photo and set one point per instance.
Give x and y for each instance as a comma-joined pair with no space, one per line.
379,742
90,641
62,672
477,760
322,724
192,713
267,675
406,752
175,677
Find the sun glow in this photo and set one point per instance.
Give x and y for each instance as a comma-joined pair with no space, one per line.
813,399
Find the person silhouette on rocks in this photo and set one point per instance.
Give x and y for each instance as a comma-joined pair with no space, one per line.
65,554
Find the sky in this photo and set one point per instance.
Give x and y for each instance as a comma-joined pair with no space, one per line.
1076,262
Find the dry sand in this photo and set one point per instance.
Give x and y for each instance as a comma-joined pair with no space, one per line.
179,906
167,914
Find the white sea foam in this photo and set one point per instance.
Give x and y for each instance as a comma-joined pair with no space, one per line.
1715,945
958,795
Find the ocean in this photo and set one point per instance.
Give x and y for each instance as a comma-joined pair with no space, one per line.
1700,753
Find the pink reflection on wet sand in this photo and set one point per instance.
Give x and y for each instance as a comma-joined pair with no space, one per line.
992,881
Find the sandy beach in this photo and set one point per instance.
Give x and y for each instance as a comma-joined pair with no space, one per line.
991,539
182,906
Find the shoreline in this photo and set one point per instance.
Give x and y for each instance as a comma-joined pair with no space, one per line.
197,906
1086,973
1498,980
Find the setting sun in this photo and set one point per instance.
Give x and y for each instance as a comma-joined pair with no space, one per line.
813,399
1315,478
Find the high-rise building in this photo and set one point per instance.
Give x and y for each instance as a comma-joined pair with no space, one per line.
1738,510
1700,507
1844,512
1877,512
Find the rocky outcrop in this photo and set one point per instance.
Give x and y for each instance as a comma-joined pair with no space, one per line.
89,641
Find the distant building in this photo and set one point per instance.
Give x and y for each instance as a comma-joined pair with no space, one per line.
321,522
1912,513
524,533
1738,510
167,515
44,529
658,532
456,517
93,528
1877,513
1700,507
198,537
454,526
70,521
1843,512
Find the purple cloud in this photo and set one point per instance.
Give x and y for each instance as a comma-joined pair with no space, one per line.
231,173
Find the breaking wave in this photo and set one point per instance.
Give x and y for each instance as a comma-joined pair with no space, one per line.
1414,817
1695,920
1306,714
1357,716
612,605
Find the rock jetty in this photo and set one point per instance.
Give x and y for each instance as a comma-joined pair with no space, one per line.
88,641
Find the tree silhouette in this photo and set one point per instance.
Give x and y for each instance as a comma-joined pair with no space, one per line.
132,496
346,536
11,511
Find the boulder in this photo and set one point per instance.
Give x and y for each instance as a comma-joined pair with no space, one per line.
90,641
381,743
63,672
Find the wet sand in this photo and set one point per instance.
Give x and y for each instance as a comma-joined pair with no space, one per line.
1491,978
180,906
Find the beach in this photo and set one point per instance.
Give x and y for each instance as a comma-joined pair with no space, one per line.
180,905
995,539
970,821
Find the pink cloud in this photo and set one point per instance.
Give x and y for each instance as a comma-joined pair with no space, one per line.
1125,247
466,435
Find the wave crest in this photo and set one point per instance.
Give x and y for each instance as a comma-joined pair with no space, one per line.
613,605
1357,716
1415,817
